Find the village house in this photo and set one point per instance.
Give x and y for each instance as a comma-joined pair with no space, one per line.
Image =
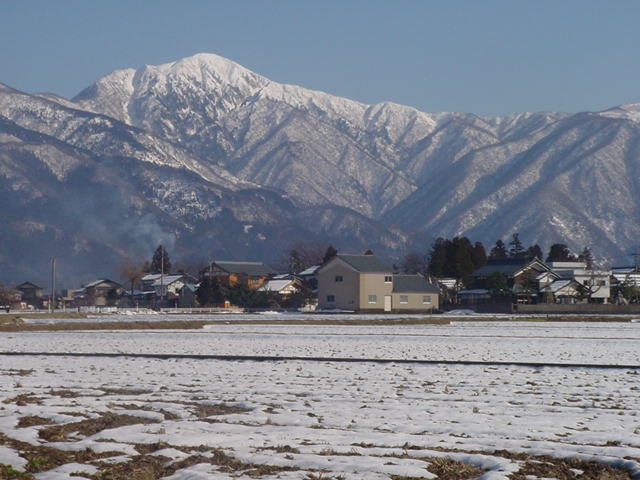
365,283
595,285
31,294
522,276
166,290
284,285
99,293
564,291
229,273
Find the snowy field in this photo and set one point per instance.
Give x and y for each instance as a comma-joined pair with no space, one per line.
196,419
588,343
150,316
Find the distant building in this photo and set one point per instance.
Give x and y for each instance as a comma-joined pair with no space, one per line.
99,293
285,287
31,294
365,283
229,273
595,284
167,290
520,274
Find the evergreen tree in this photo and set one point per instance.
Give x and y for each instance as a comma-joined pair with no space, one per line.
516,250
559,252
478,255
534,251
160,262
209,292
497,285
461,262
587,257
499,251
329,254
438,257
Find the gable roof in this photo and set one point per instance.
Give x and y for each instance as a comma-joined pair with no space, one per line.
558,285
167,280
365,263
413,284
310,271
277,285
508,266
28,285
253,269
102,280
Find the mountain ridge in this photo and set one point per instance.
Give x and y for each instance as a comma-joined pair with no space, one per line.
203,144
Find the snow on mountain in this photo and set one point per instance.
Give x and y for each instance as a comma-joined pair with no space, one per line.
204,138
92,190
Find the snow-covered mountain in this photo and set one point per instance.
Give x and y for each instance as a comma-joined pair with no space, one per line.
204,135
93,191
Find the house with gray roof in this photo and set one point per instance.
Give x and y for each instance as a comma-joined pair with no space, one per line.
523,276
365,283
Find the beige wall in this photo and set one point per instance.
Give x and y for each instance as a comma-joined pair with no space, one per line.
345,292
374,284
415,301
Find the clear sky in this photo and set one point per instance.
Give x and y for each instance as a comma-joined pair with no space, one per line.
488,57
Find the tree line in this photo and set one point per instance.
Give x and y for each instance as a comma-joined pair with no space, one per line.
459,257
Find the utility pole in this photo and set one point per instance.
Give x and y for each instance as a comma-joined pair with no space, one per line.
161,277
52,300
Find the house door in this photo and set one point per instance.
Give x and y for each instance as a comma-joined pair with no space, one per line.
387,303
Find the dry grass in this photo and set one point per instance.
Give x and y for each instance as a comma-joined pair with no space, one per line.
204,410
33,421
24,399
42,458
90,426
448,469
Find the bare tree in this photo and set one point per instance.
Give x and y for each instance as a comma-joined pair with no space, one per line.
413,263
132,272
300,255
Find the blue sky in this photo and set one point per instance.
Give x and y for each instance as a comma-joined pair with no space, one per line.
487,57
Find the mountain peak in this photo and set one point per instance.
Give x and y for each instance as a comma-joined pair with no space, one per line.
628,111
207,69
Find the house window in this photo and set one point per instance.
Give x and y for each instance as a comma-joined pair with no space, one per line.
404,298
426,299
373,299
331,298
388,279
338,278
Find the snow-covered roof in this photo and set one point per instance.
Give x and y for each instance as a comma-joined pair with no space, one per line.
558,285
151,277
167,280
275,285
98,282
309,271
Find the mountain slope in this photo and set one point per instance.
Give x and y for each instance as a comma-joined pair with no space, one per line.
222,159
91,191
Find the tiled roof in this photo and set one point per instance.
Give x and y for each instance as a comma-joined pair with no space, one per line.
505,266
366,263
413,284
253,269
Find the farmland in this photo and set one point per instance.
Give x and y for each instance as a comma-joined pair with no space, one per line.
193,417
